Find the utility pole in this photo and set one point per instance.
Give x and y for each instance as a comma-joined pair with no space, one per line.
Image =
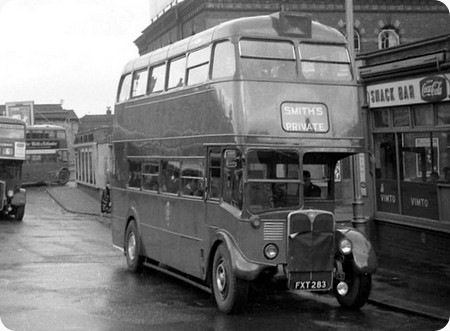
358,221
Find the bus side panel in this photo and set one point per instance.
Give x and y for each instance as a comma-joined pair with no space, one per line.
118,219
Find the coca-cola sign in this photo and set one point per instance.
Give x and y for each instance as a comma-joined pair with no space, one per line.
433,88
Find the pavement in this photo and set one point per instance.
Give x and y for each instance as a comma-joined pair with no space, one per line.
407,286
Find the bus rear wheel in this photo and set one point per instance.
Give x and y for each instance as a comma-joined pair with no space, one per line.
135,261
63,177
230,292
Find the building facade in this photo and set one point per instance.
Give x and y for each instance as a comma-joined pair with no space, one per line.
408,106
93,151
377,24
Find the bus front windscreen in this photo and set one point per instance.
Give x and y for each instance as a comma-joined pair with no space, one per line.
12,131
273,180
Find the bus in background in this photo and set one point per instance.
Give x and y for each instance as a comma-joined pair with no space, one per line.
47,160
216,140
12,155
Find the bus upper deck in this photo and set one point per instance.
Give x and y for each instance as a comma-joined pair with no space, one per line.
251,80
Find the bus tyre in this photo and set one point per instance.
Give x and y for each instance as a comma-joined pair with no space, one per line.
359,286
230,292
64,176
135,261
19,212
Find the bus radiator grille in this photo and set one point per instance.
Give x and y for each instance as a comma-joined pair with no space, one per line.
273,231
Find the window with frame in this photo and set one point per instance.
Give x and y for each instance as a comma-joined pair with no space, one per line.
224,60
192,180
139,84
150,174
215,174
177,70
325,62
388,38
198,66
169,178
266,59
134,174
157,78
233,181
125,87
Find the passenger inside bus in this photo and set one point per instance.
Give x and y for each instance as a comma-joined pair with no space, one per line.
309,189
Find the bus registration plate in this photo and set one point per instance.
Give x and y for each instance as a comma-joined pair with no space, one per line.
306,281
311,285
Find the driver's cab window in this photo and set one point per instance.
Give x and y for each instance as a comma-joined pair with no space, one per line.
318,177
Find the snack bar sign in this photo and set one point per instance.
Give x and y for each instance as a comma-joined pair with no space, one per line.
304,117
420,90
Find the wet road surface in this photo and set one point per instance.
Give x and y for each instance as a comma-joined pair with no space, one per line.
59,271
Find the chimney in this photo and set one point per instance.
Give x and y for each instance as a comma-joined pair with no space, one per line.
108,110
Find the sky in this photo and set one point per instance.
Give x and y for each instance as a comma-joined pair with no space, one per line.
69,51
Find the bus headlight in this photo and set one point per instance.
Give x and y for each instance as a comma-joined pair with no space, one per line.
271,251
10,193
345,246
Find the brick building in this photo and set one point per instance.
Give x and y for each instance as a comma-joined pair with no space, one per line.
377,23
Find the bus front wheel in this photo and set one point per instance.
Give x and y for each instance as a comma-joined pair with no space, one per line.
135,261
359,286
19,212
230,292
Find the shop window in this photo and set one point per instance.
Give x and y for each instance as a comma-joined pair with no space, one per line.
381,118
423,115
443,113
400,116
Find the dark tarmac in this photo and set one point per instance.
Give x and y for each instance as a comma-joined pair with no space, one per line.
407,286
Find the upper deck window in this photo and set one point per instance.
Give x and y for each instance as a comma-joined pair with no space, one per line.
124,89
224,61
12,131
325,62
198,66
262,59
157,78
177,68
139,83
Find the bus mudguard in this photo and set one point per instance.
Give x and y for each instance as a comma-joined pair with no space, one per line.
364,257
243,268
19,198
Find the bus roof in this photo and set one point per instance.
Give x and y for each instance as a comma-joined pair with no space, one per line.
277,25
11,120
45,127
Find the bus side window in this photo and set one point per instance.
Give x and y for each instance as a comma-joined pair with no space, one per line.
134,174
198,66
169,181
224,60
150,173
139,83
214,185
124,89
177,68
157,78
192,178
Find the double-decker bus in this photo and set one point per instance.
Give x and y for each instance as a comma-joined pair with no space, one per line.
47,159
12,155
215,141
